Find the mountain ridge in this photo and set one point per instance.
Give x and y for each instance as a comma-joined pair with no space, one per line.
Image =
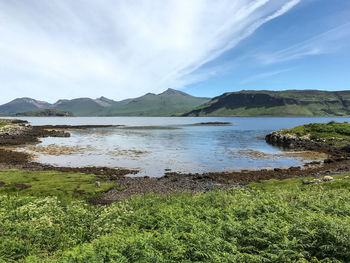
169,102
172,102
248,103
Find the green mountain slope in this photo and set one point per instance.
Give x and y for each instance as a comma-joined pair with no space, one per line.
79,107
23,105
277,103
170,102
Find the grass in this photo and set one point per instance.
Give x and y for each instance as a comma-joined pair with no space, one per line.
332,131
65,186
3,123
273,221
295,184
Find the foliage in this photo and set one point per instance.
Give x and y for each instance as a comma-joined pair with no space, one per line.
65,186
275,221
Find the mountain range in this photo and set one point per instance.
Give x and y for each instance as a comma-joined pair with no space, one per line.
177,103
170,102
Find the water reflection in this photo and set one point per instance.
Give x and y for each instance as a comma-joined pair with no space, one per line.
188,148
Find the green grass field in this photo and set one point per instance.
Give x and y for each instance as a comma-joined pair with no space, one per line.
272,221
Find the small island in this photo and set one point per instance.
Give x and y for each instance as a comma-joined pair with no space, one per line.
46,113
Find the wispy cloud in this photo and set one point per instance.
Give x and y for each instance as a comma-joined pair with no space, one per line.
327,42
264,75
66,48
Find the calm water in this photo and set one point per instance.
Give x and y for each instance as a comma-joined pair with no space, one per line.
181,147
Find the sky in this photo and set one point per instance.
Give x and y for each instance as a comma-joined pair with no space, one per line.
64,49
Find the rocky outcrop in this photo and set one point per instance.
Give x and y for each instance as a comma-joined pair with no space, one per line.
291,141
19,133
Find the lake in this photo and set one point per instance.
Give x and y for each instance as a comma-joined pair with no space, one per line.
172,144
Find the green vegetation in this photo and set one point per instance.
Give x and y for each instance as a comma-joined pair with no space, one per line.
3,123
46,113
79,107
64,186
336,132
295,184
274,221
277,103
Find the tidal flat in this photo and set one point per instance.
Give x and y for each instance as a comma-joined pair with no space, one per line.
51,213
154,146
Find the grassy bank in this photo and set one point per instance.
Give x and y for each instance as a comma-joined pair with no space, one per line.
64,186
335,132
273,221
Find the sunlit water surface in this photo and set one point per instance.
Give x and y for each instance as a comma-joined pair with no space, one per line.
181,147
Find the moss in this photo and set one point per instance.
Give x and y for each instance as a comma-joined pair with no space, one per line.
65,186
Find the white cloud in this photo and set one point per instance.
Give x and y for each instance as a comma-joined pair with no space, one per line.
325,43
264,75
64,48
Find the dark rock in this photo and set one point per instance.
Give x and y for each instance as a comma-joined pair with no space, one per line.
294,168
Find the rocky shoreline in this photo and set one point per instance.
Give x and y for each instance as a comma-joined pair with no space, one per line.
294,142
338,162
20,132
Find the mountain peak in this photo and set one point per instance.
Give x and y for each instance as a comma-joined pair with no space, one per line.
174,91
36,103
103,101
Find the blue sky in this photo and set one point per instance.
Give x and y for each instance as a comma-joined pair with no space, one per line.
306,48
57,49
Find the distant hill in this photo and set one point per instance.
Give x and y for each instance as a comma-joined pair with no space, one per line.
23,105
177,103
170,102
79,107
46,113
276,103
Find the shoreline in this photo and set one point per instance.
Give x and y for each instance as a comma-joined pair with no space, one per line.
172,182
